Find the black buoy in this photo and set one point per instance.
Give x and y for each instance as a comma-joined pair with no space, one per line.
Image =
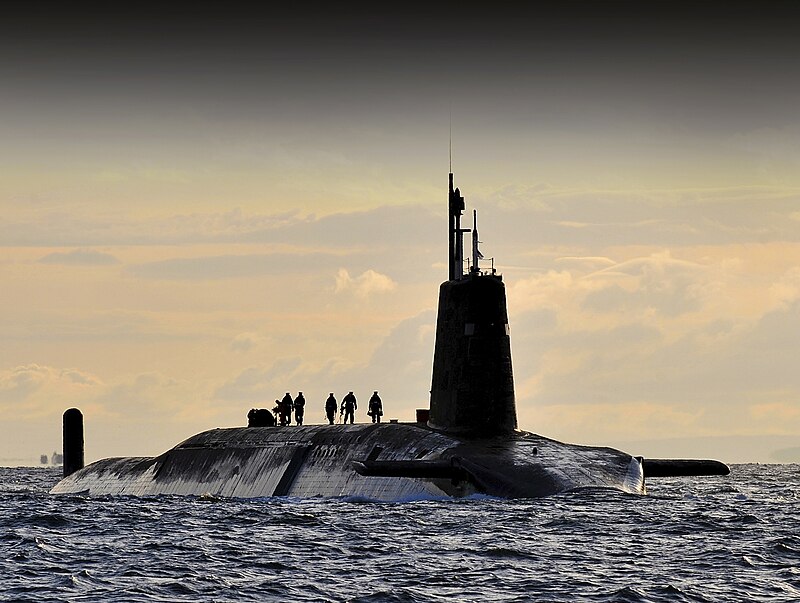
73,441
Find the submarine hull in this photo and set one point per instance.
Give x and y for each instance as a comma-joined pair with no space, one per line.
399,461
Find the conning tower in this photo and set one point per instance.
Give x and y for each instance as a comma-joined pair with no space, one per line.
472,388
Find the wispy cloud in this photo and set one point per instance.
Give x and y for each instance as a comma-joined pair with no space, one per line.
34,388
80,257
244,342
229,266
364,285
260,384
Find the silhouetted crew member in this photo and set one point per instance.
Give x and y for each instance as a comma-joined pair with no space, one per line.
330,408
349,407
286,409
375,407
299,408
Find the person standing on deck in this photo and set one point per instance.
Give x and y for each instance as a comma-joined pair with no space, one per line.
349,406
299,408
330,408
286,409
375,407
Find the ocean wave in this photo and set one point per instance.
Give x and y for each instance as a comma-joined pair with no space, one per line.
693,540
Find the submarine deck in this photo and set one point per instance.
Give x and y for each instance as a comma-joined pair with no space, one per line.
385,461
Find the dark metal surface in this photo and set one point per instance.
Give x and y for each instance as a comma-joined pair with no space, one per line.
379,461
683,467
72,440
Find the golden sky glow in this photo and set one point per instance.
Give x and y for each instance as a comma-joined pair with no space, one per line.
186,238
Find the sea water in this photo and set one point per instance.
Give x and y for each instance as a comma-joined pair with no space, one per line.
734,538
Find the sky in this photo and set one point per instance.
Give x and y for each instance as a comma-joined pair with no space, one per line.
202,210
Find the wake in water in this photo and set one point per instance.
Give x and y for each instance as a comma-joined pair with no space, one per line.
714,539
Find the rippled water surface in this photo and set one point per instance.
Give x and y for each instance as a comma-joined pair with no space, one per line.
700,539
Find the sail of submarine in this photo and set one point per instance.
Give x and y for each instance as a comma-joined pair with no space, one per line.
468,445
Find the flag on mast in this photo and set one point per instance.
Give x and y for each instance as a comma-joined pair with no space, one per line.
476,254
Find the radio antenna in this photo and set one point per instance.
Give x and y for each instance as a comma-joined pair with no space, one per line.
451,137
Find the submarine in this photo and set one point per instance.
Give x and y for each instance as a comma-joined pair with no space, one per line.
466,443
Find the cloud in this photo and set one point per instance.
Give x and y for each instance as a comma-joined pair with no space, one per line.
358,240
400,367
244,342
365,285
772,146
54,228
396,226
79,377
659,331
35,389
786,290
597,218
81,326
604,421
260,384
588,263
594,321
131,394
402,363
18,383
781,411
538,218
148,396
655,283
228,266
79,257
